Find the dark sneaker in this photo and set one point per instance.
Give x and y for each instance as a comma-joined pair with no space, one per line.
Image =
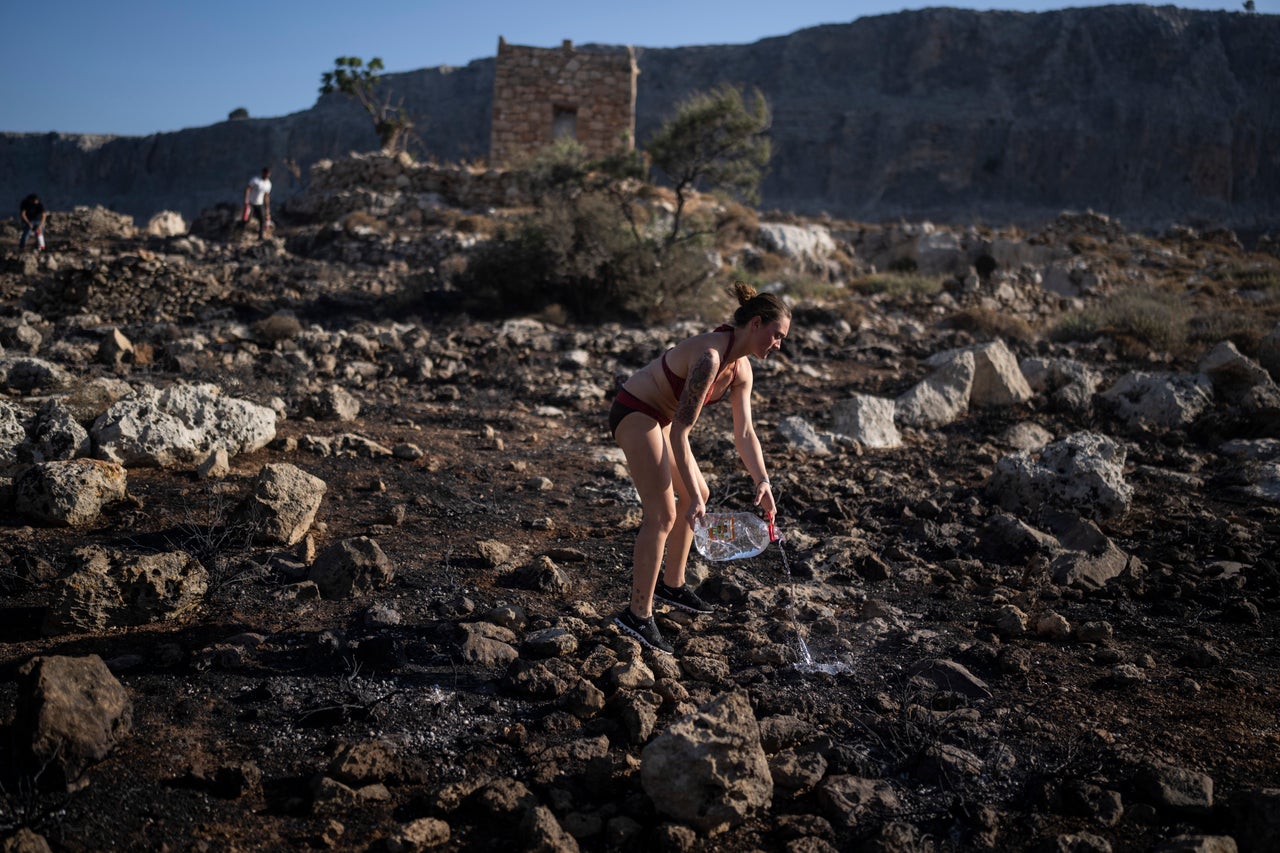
644,630
682,597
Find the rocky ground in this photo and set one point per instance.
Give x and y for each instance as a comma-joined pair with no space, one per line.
932,659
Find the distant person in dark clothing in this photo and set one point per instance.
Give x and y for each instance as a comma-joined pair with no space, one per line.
257,199
33,217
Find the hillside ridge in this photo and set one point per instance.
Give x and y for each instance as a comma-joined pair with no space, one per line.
1155,115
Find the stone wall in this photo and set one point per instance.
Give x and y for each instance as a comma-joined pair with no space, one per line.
542,93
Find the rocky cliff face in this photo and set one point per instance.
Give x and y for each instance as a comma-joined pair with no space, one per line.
1151,114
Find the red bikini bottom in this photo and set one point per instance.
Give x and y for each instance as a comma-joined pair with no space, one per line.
625,403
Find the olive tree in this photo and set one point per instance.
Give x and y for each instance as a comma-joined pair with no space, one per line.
596,245
715,140
354,79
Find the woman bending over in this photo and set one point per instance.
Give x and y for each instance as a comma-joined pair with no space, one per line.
651,419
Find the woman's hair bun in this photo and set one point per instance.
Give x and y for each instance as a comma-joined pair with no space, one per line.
743,291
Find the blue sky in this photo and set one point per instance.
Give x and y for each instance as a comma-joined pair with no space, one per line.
135,67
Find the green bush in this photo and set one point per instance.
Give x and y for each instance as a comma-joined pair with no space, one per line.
590,247
597,247
585,258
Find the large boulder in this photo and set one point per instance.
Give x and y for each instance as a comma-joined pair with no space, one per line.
708,769
13,432
112,589
71,712
1158,400
28,375
180,425
1231,373
997,378
810,244
283,504
1269,353
979,376
1083,472
800,434
351,568
943,395
1069,384
166,223
68,494
56,434
868,420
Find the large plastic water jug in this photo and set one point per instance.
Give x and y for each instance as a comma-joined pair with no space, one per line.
732,535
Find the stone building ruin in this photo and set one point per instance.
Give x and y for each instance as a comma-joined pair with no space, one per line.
543,94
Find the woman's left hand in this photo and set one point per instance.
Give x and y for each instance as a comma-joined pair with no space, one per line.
764,499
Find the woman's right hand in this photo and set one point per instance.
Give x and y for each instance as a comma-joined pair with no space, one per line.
697,509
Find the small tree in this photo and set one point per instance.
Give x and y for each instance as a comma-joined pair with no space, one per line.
595,244
716,139
354,79
238,114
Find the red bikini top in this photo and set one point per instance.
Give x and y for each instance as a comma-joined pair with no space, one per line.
677,381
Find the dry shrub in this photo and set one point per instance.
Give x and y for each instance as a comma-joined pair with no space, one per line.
1076,326
771,263
850,311
440,217
453,265
736,223
474,223
584,257
554,314
1245,329
360,220
1265,278
280,326
1142,317
842,257
804,286
985,323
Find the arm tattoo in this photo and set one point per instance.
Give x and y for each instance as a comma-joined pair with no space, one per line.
695,390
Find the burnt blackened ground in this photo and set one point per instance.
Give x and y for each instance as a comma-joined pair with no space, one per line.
319,674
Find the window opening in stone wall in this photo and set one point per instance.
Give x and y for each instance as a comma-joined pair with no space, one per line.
564,122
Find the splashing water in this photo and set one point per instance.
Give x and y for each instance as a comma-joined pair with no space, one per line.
802,648
805,662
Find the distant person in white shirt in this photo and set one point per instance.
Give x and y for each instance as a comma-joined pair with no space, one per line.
257,198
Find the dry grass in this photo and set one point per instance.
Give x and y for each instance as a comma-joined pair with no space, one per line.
985,323
1260,277
1244,328
735,224
1146,317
